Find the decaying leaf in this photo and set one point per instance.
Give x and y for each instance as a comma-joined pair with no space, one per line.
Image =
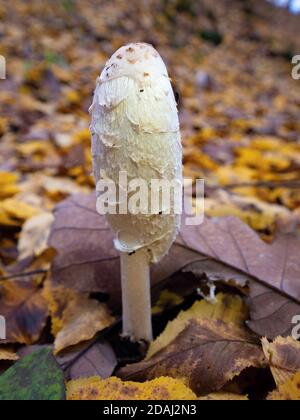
283,356
94,388
24,308
35,377
207,353
228,308
75,317
290,390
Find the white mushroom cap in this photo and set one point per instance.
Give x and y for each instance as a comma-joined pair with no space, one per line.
135,128
139,61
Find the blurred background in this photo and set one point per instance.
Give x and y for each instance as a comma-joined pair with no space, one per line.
230,63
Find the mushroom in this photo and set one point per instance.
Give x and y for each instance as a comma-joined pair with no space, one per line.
135,131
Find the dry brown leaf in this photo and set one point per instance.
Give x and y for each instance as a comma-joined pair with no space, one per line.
94,388
24,308
82,320
207,354
283,356
86,260
33,239
83,255
271,312
75,317
228,308
86,360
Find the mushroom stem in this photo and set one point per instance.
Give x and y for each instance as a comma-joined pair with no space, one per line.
136,296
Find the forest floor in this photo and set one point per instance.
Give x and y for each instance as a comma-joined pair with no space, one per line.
239,107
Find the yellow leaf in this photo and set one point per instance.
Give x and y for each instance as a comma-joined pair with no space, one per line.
95,388
290,390
228,308
166,300
7,353
8,178
8,186
18,209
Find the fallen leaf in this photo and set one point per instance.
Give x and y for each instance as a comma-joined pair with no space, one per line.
17,209
207,354
74,316
94,388
33,239
86,360
290,390
223,396
35,377
271,313
24,308
82,320
167,299
86,259
283,356
228,308
226,240
230,241
7,353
